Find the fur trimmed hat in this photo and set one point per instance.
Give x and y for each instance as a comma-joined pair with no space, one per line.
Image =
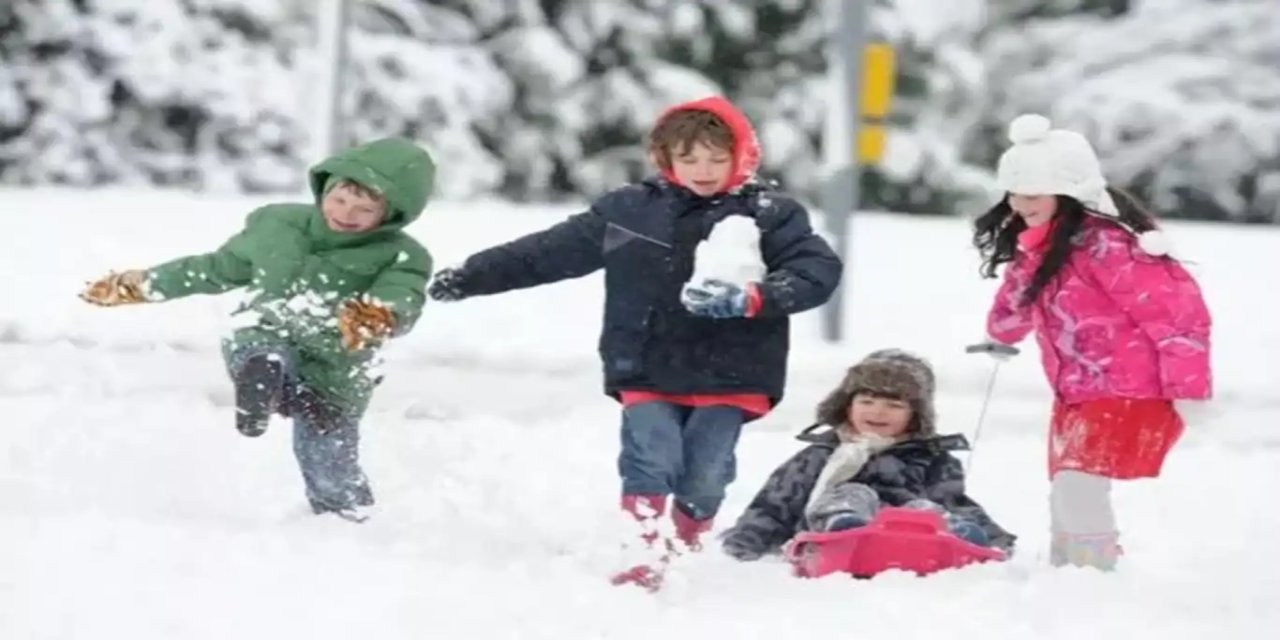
1048,161
889,372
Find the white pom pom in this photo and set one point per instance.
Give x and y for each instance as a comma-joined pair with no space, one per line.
1155,243
1029,127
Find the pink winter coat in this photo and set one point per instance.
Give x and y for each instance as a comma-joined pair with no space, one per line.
1116,322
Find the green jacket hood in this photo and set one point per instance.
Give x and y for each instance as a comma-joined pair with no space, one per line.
396,168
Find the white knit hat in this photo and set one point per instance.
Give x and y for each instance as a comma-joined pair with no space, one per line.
1048,161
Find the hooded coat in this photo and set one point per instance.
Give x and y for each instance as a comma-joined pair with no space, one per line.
645,236
297,272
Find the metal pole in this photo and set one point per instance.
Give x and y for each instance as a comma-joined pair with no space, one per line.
331,22
844,69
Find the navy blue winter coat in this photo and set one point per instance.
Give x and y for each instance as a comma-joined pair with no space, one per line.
644,236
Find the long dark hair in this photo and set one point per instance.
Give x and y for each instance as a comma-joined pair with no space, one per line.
995,234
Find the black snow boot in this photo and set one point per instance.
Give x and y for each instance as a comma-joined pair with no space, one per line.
259,387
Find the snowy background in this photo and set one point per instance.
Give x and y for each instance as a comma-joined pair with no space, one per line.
131,508
545,100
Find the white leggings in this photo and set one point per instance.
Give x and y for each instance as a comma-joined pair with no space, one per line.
1080,504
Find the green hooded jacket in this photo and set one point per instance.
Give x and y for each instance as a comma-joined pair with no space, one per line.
296,272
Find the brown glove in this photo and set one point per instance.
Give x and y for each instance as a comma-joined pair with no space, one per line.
116,289
362,322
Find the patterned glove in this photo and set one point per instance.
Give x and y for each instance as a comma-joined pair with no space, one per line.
363,322
117,289
715,299
446,286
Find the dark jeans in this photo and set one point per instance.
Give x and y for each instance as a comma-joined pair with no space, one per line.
686,451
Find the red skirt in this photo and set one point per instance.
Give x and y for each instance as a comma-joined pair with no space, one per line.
1121,438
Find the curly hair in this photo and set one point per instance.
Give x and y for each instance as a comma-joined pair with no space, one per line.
995,234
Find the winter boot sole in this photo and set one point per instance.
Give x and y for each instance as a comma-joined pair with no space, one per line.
258,390
352,515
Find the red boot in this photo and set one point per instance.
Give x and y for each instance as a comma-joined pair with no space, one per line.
644,507
646,510
688,530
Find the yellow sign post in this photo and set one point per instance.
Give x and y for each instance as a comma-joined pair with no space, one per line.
877,93
861,76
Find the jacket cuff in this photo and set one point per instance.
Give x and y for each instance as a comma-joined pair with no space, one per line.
755,299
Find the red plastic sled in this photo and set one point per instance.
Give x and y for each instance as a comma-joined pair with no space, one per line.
907,539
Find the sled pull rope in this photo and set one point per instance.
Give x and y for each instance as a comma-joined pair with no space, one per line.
987,347
982,414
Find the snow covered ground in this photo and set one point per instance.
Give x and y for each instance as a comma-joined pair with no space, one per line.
130,507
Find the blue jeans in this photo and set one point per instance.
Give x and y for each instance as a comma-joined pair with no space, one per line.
326,440
686,451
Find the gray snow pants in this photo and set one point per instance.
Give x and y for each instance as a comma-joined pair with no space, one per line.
326,440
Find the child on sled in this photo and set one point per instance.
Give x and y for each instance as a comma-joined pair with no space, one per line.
880,449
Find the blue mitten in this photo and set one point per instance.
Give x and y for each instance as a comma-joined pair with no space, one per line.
715,299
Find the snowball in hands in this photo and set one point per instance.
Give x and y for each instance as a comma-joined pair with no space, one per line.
730,254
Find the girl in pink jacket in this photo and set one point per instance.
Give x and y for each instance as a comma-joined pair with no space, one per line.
1122,328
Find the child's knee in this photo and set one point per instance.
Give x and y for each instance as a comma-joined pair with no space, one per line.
926,505
708,478
844,506
651,435
1081,502
319,413
855,495
712,462
641,448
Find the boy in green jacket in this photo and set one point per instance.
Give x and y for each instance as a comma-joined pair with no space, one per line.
326,283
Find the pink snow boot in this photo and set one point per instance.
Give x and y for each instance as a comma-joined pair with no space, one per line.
688,530
646,510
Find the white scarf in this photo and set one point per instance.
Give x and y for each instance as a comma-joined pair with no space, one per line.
846,461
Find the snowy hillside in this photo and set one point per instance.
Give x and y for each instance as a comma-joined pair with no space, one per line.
130,507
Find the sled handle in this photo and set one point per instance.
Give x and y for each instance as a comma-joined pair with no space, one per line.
992,347
910,527
909,521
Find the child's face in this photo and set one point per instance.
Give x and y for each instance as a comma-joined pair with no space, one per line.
1035,210
347,211
888,417
701,168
